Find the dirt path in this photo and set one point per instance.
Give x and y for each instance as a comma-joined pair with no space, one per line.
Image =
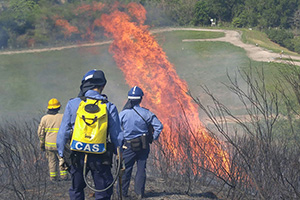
54,48
234,37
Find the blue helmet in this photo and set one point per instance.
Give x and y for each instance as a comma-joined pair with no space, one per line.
135,93
88,75
94,76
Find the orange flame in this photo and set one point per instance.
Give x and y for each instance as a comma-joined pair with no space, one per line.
144,63
68,30
86,12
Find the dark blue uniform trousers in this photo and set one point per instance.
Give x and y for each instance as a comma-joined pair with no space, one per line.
130,158
101,175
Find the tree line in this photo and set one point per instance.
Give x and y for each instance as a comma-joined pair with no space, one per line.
25,23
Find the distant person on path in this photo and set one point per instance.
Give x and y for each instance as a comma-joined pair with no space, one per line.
91,88
281,53
47,132
136,122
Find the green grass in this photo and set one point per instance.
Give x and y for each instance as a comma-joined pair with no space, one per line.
260,38
208,63
181,35
28,81
288,59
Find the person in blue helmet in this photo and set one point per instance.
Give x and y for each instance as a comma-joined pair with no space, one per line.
92,85
135,122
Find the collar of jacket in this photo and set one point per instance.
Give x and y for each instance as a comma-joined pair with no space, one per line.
95,95
52,111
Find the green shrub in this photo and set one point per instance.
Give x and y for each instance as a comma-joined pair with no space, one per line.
201,14
296,42
281,37
237,22
3,38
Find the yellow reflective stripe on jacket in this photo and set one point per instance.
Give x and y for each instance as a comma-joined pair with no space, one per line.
51,129
63,173
53,174
49,144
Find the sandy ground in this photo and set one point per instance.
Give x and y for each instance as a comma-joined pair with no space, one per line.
234,37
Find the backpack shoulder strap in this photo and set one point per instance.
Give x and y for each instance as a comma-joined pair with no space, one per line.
150,128
84,98
140,115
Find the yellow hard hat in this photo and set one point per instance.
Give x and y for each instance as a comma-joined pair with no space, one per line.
53,104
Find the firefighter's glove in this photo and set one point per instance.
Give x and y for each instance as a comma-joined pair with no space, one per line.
64,166
42,146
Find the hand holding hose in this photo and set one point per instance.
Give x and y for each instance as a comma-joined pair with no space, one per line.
121,171
122,167
115,179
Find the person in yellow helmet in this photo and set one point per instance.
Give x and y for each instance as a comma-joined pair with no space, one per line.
47,132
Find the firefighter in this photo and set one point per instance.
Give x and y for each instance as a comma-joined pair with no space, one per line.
92,84
47,132
135,121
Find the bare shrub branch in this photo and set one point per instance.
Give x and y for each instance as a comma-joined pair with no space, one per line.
263,161
23,170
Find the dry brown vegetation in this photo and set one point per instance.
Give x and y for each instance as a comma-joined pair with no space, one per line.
263,150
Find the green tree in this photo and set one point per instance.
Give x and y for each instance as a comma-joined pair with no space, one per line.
3,37
17,17
282,37
201,13
181,11
276,13
248,13
23,13
296,19
296,42
223,10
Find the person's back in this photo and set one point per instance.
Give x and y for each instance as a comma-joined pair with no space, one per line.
47,132
51,124
91,87
134,125
135,121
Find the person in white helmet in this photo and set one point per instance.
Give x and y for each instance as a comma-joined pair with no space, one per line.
135,121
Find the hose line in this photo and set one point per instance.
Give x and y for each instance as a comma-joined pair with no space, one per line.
114,180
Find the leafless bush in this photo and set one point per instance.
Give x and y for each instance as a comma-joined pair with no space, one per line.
191,165
262,144
23,169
